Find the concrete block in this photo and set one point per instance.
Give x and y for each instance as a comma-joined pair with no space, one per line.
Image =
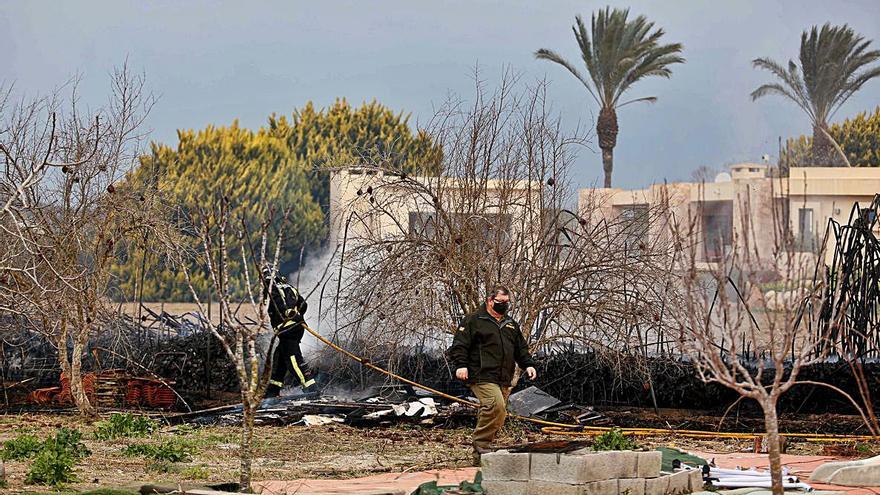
607,487
656,486
679,483
561,468
504,466
505,487
864,475
632,486
648,464
624,462
584,468
695,483
551,488
824,472
863,472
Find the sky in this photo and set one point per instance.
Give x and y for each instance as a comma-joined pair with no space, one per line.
213,62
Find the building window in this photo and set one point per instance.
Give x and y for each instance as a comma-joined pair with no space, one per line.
478,229
806,234
717,229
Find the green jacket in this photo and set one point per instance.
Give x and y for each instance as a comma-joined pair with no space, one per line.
489,348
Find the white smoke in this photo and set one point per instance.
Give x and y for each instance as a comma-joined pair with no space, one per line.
317,273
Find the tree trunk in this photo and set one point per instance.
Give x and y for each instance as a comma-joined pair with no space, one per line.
606,130
72,367
246,453
824,153
608,165
771,424
76,382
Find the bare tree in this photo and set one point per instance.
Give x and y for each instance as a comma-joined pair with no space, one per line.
222,236
745,337
417,253
66,209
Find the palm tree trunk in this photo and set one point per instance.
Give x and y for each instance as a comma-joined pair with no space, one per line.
608,164
606,129
824,153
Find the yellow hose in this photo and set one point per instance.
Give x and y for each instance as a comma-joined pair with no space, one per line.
554,428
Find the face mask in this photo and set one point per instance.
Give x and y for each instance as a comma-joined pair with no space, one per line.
500,307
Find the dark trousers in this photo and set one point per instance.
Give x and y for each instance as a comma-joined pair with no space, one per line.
288,358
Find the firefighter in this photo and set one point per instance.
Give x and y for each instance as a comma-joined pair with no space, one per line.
286,314
486,347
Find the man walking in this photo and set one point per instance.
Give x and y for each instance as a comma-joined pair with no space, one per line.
484,351
286,314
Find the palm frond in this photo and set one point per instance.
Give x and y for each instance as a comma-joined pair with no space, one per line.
853,86
545,54
655,63
618,51
834,64
649,99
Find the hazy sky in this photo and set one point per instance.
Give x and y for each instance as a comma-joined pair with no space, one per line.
212,62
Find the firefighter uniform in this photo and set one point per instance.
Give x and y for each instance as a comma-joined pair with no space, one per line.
286,310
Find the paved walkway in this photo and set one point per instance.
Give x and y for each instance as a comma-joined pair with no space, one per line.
800,465
380,484
406,483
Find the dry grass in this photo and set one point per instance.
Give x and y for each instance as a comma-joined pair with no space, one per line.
282,453
286,453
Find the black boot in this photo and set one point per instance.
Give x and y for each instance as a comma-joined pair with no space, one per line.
272,390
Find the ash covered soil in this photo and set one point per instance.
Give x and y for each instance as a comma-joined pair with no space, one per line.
330,451
748,421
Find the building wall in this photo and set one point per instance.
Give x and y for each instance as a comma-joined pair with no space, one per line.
355,218
758,203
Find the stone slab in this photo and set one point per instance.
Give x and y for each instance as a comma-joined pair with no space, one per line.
627,463
624,462
631,486
578,468
607,487
679,483
695,483
824,472
657,486
563,468
863,472
648,465
551,488
505,466
861,475
505,487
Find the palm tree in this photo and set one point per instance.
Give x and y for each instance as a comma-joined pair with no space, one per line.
833,66
617,54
